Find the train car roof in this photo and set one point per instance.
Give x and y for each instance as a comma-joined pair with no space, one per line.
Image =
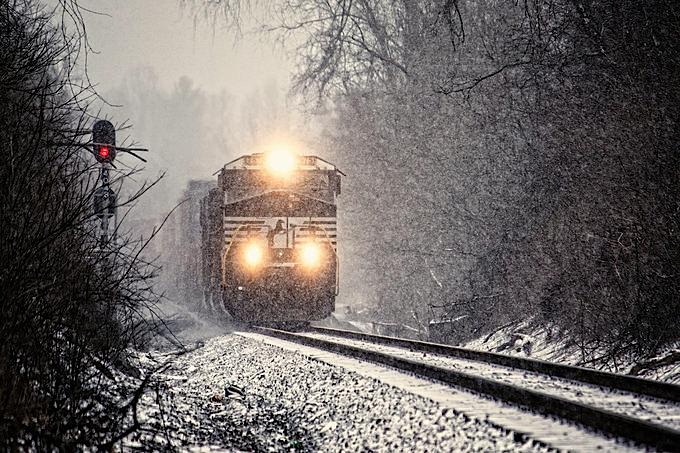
254,162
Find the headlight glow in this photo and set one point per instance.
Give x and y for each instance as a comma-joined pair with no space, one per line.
310,255
280,161
253,255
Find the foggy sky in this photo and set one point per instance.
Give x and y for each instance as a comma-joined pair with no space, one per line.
138,41
160,35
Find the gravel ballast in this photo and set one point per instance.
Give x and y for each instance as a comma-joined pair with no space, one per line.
662,412
235,393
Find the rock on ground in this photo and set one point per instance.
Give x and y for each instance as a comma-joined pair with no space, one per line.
234,393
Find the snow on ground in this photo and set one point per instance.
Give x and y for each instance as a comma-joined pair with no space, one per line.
537,342
182,327
234,393
524,341
520,340
625,403
339,321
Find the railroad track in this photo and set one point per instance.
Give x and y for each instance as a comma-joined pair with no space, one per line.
640,410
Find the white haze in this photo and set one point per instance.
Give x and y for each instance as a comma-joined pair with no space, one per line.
194,95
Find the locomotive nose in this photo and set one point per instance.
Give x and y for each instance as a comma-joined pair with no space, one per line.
269,237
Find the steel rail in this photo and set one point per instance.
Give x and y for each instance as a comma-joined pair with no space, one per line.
607,422
606,379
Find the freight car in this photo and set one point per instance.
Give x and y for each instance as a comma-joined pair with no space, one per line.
269,242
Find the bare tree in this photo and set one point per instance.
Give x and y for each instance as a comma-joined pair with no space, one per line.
72,307
507,161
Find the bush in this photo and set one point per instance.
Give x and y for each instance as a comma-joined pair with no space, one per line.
71,306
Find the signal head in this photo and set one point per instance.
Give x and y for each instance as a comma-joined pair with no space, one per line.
104,140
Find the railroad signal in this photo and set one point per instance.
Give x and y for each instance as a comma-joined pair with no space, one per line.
104,141
104,149
104,152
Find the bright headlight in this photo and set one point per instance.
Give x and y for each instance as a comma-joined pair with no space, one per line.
310,255
253,254
280,161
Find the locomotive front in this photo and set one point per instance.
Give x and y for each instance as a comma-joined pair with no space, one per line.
279,259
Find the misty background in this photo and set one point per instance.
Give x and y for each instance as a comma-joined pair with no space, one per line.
193,94
198,93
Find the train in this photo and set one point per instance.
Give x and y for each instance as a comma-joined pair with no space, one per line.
269,239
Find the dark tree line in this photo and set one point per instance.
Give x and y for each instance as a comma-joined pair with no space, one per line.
506,160
607,212
566,118
71,308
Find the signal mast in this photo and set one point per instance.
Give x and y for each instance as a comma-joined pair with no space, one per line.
104,149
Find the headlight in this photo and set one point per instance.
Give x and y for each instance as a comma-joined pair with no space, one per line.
280,162
253,254
310,255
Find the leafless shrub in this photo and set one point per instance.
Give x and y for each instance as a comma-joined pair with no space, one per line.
71,307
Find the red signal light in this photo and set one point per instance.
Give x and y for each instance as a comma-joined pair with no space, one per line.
104,141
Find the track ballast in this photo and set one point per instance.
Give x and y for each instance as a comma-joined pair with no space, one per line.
538,386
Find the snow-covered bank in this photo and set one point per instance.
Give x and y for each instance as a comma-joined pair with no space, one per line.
540,343
238,394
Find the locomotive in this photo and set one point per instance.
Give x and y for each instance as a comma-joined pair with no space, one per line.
269,238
